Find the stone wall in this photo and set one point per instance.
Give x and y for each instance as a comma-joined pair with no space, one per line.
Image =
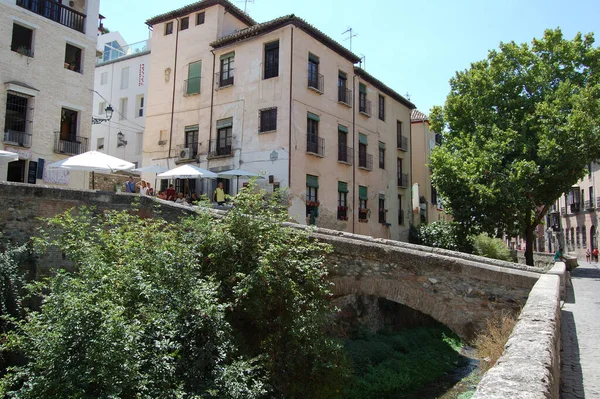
543,260
530,365
112,182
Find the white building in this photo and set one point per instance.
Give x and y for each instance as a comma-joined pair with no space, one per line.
47,57
121,82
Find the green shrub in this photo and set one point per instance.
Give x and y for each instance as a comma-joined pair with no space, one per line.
444,234
489,247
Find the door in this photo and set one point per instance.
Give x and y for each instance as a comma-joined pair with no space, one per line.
16,171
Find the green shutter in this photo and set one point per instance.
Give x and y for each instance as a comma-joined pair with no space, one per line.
342,128
193,128
314,117
223,123
382,145
362,88
363,194
362,139
312,181
313,58
194,70
230,54
342,187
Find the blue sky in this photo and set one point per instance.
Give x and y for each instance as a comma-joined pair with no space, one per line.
414,47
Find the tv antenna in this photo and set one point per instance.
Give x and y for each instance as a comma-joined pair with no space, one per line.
350,36
407,95
246,4
363,61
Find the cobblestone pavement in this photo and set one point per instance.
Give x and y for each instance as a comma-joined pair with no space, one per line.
580,334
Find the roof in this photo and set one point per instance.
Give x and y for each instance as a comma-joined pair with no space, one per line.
280,22
383,87
418,116
201,5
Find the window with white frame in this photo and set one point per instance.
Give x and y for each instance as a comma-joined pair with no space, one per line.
101,108
123,109
140,106
100,143
124,78
104,78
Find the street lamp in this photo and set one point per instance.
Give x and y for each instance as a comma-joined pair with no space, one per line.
109,112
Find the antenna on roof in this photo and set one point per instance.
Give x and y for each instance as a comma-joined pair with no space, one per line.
407,95
350,36
363,61
246,4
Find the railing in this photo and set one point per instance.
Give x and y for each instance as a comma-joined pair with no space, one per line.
403,180
563,210
225,82
344,96
315,144
345,154
342,213
116,53
403,143
363,214
575,207
14,137
316,82
192,86
365,161
73,145
56,12
401,217
597,202
589,204
381,216
221,147
364,106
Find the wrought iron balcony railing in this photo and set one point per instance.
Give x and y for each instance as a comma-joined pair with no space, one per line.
403,180
315,145
221,147
316,82
70,144
364,106
345,96
589,204
403,143
56,12
401,217
365,161
345,154
20,139
224,79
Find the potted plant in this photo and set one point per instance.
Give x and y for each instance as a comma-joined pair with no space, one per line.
24,51
67,65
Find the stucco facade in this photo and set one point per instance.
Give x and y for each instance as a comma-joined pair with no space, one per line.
121,81
47,58
283,119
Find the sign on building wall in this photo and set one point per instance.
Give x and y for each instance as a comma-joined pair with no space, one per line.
56,176
141,75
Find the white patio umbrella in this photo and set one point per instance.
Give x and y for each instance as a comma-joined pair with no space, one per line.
152,169
7,156
93,161
188,172
229,174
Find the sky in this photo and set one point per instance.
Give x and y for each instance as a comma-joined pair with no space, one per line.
414,47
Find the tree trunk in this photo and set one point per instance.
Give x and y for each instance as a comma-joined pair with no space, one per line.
529,237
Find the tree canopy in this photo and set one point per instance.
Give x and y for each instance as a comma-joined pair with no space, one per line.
519,127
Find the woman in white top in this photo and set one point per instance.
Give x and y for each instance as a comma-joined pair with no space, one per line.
143,188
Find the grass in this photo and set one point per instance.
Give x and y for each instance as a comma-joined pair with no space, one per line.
490,343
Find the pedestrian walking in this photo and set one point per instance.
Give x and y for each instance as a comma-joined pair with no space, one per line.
595,253
130,185
588,255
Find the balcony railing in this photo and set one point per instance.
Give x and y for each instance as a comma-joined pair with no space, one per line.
315,144
316,82
221,147
403,143
344,96
563,210
589,204
597,202
403,180
192,86
345,154
56,12
342,213
116,53
226,81
20,139
575,207
401,217
365,161
364,107
72,145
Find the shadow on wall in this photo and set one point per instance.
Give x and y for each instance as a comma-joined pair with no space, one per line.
571,384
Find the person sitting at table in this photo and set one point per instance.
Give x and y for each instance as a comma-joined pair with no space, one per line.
162,195
195,199
180,199
171,193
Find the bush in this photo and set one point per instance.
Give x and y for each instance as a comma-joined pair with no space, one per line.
443,234
489,247
490,343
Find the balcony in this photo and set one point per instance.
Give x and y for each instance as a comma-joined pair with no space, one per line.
575,207
589,204
344,96
403,180
224,79
221,147
20,139
342,213
315,145
401,217
402,143
56,12
192,86
316,82
345,154
72,145
111,53
364,107
365,161
563,210
597,202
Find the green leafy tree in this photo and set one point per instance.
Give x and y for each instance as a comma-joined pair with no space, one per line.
225,308
522,125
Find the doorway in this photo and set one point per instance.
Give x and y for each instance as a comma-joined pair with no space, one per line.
16,171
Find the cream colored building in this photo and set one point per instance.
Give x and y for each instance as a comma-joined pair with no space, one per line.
47,58
424,140
284,99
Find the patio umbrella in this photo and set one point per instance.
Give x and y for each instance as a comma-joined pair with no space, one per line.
93,161
7,156
152,169
228,174
188,172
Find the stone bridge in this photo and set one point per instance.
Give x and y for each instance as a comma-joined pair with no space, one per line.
458,290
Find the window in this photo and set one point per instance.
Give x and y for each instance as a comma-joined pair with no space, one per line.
68,130
400,211
22,40
17,119
344,153
434,198
363,211
112,51
123,109
342,211
140,106
73,58
100,143
312,198
124,78
313,72
271,60
591,194
343,92
104,78
381,155
227,68
192,84
381,212
222,146
583,236
191,140
267,120
364,160
168,28
402,178
102,108
200,18
574,199
402,142
577,235
185,23
312,134
362,98
162,137
381,107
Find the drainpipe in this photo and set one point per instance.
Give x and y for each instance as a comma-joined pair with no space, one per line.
173,100
354,150
411,169
290,113
212,97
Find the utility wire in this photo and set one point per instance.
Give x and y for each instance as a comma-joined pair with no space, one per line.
114,110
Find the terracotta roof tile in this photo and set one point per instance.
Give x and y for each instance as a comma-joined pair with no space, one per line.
383,87
201,5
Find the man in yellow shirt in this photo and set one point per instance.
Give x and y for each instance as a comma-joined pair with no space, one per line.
219,195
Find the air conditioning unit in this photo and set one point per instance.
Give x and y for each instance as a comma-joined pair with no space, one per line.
185,153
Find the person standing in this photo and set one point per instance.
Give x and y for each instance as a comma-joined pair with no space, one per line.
143,188
130,185
150,191
171,194
219,195
595,253
588,255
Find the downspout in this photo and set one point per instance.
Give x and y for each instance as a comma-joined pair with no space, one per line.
412,214
212,97
173,99
354,150
290,112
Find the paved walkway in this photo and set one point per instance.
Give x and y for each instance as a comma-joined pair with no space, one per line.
580,333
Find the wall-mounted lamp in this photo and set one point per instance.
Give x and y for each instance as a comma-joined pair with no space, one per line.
109,113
